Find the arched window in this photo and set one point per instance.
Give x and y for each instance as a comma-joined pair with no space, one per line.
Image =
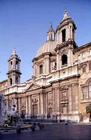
11,62
89,89
63,35
10,81
11,65
64,59
41,69
17,65
86,90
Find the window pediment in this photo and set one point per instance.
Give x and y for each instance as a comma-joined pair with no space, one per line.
86,89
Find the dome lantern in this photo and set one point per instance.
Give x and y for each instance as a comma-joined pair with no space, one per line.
51,34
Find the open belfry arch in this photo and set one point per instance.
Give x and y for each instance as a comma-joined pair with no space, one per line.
60,87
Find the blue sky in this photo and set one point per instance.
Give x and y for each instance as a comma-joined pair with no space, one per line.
24,25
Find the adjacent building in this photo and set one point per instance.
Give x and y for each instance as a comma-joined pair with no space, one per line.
60,86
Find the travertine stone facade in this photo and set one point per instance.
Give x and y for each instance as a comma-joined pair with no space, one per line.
60,87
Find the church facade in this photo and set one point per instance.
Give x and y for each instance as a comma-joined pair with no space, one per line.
61,83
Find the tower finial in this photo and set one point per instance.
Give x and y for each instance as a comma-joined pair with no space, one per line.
14,51
65,15
51,28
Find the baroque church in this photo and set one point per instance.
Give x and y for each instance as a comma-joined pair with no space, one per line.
61,83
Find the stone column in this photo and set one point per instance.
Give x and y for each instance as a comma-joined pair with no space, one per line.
57,91
46,104
26,105
39,105
70,99
29,104
70,32
53,92
35,69
56,101
76,97
46,64
19,105
58,60
70,56
8,102
41,101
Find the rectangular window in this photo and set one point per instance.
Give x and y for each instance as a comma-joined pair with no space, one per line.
84,92
63,35
64,96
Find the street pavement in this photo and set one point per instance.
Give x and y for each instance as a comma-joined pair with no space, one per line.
53,132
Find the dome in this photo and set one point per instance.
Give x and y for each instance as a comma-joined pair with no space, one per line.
48,46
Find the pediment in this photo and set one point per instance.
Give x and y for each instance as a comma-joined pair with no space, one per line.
33,86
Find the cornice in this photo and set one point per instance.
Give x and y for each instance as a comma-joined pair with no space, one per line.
66,78
65,22
85,46
65,44
43,55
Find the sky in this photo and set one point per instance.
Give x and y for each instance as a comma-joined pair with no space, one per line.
24,25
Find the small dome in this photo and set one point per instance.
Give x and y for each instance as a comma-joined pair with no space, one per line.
48,46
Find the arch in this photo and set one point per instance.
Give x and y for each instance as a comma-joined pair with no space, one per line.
41,69
17,65
88,81
63,35
10,81
17,79
11,62
64,59
86,89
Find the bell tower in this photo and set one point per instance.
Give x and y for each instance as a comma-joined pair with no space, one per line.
66,29
65,37
14,69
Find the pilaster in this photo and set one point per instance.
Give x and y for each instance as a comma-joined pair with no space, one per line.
58,60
